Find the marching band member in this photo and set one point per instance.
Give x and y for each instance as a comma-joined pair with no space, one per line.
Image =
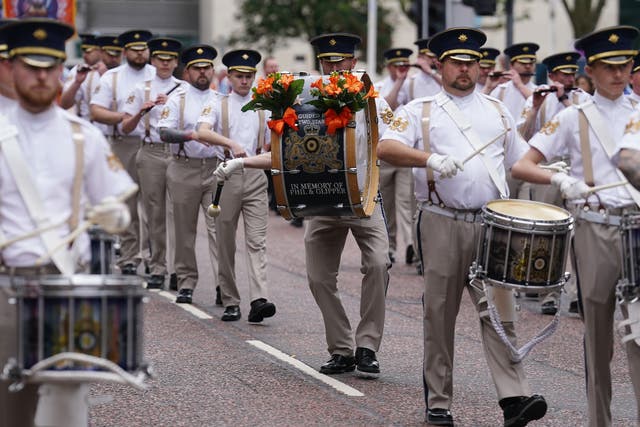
48,140
223,123
487,66
153,157
107,107
590,132
434,132
190,177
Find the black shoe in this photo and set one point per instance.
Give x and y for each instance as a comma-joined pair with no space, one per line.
173,282
260,309
296,222
338,364
184,296
408,257
392,258
549,307
129,269
518,411
146,268
573,307
156,281
439,417
218,297
231,314
367,365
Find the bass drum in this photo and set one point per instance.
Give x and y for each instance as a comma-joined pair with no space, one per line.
328,175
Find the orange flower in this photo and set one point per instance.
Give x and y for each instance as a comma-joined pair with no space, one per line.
318,84
265,86
352,83
276,125
371,93
335,121
332,89
285,80
290,118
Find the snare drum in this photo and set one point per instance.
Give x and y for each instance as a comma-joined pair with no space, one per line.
96,315
102,251
330,175
628,287
524,245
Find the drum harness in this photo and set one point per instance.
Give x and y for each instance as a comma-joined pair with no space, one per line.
63,260
590,117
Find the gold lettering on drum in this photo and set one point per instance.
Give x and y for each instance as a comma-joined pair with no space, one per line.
317,189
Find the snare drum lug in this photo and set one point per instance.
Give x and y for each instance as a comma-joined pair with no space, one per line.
294,171
276,171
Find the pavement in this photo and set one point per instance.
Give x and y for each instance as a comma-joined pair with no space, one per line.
214,373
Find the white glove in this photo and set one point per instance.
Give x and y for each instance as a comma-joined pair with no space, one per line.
570,187
446,165
560,166
112,216
224,171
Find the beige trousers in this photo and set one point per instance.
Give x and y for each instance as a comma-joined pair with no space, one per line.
448,249
191,185
324,240
397,191
245,192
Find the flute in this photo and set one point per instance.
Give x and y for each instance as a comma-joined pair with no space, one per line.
146,110
553,89
497,74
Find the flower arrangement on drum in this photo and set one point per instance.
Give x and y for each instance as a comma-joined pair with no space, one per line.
278,92
340,98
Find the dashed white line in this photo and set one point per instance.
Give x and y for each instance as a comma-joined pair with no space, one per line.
341,387
186,307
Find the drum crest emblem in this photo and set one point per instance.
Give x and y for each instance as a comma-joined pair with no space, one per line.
315,153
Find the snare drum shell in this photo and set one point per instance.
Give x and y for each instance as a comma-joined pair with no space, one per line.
521,252
101,318
630,240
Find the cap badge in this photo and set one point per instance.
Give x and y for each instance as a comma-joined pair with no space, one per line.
136,36
485,53
115,41
40,34
199,51
245,56
332,42
568,57
525,49
398,53
463,38
613,38
165,44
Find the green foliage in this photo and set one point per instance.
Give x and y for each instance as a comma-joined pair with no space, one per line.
273,95
270,23
584,15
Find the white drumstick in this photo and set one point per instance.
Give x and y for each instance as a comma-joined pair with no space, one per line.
479,150
607,186
82,228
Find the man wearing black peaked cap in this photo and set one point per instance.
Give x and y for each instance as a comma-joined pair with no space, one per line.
608,129
450,196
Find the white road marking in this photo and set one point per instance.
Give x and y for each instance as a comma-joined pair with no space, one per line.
186,307
341,387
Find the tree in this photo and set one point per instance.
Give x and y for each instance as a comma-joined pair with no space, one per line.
584,18
268,24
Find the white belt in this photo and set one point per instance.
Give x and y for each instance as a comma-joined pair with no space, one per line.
455,214
598,217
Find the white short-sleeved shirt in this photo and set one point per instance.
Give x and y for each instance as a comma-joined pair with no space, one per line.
185,107
634,97
562,134
472,187
126,79
138,97
512,98
423,84
6,104
49,151
244,127
384,87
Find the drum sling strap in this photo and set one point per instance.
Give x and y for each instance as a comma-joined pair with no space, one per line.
181,123
114,100
20,172
431,183
590,117
147,119
224,110
464,125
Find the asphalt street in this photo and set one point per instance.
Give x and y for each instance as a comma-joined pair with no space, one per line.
214,373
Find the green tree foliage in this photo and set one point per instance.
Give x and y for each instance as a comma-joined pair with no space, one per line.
584,15
270,23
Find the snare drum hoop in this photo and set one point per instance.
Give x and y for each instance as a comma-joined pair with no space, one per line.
363,204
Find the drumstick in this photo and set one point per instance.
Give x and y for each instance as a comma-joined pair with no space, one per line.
82,227
32,233
607,186
479,150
